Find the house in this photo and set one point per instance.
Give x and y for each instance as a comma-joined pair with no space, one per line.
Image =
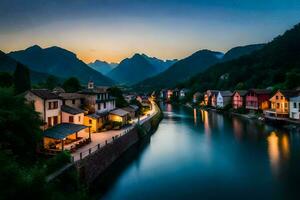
183,93
169,94
224,98
196,97
208,97
280,104
176,93
295,107
74,100
71,115
47,104
97,99
239,99
65,136
163,94
95,121
119,115
258,99
132,110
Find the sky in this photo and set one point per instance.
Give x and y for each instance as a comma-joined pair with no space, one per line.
112,30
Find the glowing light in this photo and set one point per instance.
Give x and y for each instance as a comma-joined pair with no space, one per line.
195,116
273,149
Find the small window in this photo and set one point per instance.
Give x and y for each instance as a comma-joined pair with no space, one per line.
295,105
49,105
73,101
79,118
90,121
71,119
55,105
277,97
281,97
278,105
285,105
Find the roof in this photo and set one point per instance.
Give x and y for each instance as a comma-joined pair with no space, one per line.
260,91
119,112
289,93
129,109
226,93
71,110
134,107
197,93
44,94
241,92
58,90
61,131
70,95
97,115
96,90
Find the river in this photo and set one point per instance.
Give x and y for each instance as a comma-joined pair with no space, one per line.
196,154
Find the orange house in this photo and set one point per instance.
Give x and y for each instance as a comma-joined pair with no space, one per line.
280,103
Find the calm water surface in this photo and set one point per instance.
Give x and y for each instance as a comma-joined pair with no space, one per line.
196,154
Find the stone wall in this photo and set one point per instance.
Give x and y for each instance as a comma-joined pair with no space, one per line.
96,163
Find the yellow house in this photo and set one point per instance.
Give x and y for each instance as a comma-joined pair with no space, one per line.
95,121
119,115
280,104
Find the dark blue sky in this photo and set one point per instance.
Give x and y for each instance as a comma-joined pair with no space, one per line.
114,29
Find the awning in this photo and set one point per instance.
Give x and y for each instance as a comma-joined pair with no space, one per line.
63,130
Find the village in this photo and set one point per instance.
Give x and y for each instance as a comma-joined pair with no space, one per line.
264,104
79,121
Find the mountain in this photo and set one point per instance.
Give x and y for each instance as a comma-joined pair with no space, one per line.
132,70
102,66
276,65
58,62
241,51
183,69
8,64
159,64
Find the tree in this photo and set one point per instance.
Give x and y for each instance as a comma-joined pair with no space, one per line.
51,82
6,79
71,85
19,125
116,92
21,79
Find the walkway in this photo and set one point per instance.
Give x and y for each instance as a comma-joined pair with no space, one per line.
100,139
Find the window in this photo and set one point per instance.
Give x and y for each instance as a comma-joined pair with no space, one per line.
285,105
90,121
55,120
71,119
281,97
277,97
49,105
104,105
79,118
73,101
64,102
98,96
278,105
49,121
295,105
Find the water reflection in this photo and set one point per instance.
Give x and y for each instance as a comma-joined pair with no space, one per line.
195,116
205,120
278,149
237,128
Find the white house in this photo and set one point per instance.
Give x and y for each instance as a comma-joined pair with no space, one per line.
224,98
98,99
47,104
295,107
183,92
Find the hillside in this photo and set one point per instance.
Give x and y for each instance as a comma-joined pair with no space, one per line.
131,70
58,62
102,66
276,65
160,65
8,64
182,70
237,52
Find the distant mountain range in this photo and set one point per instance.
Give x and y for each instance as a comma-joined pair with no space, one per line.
275,65
58,62
102,66
8,64
188,67
137,68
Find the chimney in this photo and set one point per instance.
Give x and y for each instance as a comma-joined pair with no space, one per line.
90,85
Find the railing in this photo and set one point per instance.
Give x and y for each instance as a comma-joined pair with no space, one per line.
97,147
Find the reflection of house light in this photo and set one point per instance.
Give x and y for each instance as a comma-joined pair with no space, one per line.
195,116
204,115
285,146
273,150
237,128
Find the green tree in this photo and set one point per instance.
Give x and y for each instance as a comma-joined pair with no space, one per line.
71,85
6,79
21,79
19,125
116,92
51,82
